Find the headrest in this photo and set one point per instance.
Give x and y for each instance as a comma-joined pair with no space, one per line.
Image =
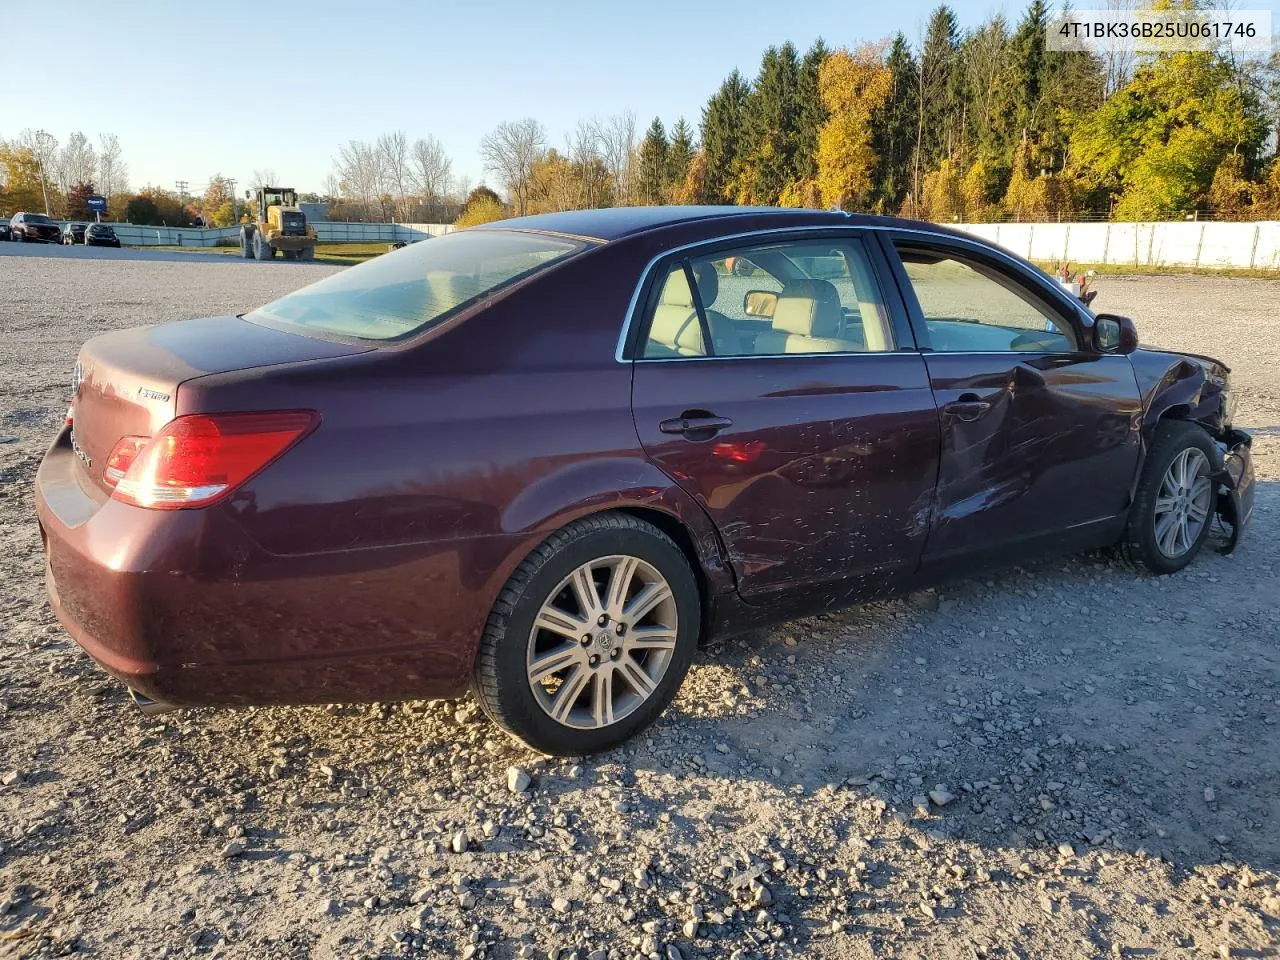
677,328
676,291
809,308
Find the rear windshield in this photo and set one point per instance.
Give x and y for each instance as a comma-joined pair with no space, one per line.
407,291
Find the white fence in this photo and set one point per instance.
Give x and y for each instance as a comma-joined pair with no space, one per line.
327,231
1206,243
1209,243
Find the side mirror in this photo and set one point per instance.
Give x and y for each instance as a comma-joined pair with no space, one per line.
1114,334
760,303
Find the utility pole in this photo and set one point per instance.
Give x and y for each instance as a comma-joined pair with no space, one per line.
231,189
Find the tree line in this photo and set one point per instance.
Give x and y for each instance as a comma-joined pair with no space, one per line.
964,124
39,174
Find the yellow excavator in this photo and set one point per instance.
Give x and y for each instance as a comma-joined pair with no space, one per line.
280,225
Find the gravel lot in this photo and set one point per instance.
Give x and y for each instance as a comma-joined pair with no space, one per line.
1069,760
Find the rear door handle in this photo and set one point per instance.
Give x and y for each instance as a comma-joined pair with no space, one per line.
969,407
698,427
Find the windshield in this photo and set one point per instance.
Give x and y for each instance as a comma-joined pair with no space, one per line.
35,218
407,291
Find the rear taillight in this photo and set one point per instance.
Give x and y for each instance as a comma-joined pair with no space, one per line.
121,459
196,460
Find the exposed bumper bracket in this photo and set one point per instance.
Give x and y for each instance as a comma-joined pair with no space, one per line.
151,707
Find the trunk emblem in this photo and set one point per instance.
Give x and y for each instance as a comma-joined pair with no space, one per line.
76,449
146,393
77,377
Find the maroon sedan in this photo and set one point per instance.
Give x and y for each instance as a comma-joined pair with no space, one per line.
541,459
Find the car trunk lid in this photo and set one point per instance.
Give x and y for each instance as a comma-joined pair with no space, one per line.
126,383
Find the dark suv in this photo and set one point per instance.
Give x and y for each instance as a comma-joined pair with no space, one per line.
34,226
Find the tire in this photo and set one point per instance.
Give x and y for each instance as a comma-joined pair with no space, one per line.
307,253
246,244
1152,540
610,543
262,250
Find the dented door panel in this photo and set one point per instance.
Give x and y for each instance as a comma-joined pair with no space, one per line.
1056,449
824,480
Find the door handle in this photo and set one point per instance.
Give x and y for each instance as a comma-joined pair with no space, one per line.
968,407
695,425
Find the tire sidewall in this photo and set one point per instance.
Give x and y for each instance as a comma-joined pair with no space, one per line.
532,723
1180,436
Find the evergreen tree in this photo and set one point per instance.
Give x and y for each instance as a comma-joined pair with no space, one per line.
811,113
722,123
935,110
679,153
768,162
893,130
651,165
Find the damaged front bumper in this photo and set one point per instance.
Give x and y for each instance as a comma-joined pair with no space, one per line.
1236,484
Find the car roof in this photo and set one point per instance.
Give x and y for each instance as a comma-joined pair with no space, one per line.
615,223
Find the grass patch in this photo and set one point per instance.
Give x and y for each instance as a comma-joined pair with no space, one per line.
1138,270
341,254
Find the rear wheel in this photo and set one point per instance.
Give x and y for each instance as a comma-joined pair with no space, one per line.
591,637
1174,506
307,253
261,248
246,244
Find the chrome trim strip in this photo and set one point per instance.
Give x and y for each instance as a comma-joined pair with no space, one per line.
979,245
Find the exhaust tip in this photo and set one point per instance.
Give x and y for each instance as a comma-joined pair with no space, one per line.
149,707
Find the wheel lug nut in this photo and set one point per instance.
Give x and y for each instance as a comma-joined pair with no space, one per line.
594,660
602,621
615,653
586,639
622,628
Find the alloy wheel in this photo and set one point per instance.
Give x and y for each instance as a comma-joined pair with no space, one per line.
1184,503
601,642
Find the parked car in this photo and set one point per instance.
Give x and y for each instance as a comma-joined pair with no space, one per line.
101,235
34,227
73,233
5,232
542,459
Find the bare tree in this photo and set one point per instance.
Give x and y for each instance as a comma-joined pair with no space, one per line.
77,163
432,171
510,152
393,156
360,175
113,174
593,175
616,139
44,145
1118,61
264,177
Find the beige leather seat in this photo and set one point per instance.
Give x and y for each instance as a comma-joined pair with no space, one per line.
808,319
675,330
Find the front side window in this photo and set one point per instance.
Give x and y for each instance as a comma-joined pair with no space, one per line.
970,307
410,290
796,297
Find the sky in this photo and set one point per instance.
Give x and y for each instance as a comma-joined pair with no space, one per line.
242,85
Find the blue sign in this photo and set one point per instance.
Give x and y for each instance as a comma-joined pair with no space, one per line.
96,204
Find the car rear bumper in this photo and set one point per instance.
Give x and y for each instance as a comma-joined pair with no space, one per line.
184,608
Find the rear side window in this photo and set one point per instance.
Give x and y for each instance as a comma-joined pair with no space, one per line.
808,296
408,291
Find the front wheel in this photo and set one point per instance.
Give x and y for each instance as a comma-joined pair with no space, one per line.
1174,506
261,248
591,637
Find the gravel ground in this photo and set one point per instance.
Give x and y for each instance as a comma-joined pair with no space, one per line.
1065,760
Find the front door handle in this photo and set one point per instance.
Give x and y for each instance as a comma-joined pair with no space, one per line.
696,425
968,407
